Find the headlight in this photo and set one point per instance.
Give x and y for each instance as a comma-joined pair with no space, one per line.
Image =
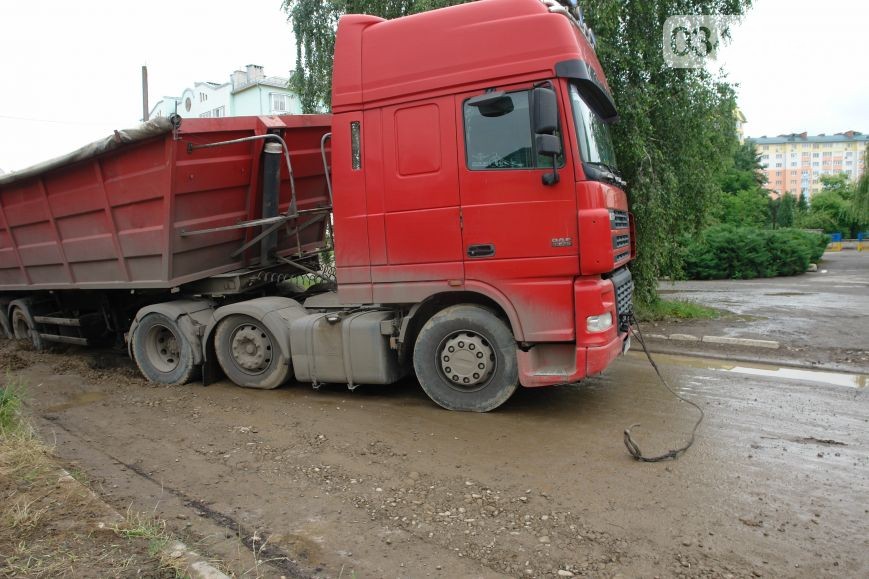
599,323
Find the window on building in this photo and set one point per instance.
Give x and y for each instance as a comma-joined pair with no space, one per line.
203,97
279,103
218,112
205,115
766,147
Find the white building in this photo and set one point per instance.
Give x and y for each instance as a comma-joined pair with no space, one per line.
249,92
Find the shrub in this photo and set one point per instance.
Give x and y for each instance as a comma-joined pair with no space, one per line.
729,252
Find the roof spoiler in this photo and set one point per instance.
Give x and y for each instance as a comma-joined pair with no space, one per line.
594,93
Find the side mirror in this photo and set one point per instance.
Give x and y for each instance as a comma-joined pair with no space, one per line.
548,145
545,112
492,104
544,116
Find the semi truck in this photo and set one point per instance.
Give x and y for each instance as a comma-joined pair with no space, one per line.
458,216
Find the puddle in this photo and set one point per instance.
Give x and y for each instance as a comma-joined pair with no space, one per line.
835,378
80,400
766,370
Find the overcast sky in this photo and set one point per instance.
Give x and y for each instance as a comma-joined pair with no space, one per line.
70,72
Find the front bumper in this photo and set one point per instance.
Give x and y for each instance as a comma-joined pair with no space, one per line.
550,364
546,364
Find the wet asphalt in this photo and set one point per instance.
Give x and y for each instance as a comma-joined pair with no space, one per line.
824,309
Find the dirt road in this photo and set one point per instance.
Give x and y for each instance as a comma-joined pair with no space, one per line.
381,483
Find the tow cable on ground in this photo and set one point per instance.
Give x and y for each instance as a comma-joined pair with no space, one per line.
630,443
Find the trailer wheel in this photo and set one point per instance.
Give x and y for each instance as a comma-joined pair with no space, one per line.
465,359
23,328
249,354
161,351
5,323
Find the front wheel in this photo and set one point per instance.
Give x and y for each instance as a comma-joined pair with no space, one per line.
465,359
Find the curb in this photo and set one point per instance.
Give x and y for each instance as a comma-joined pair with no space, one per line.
196,567
747,342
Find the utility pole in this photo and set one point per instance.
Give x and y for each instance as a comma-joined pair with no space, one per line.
144,94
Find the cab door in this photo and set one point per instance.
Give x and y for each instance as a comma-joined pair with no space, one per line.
518,234
419,196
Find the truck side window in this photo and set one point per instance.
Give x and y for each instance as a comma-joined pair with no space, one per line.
503,141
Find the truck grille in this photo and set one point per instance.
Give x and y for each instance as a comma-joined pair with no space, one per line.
618,219
624,289
620,241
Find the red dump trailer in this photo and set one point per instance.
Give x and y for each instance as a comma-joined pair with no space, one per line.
481,231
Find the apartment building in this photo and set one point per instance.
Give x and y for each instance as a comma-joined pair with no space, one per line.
248,92
795,163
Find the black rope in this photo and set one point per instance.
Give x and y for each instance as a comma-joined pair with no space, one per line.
630,443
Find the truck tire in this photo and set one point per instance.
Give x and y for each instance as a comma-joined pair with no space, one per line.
23,328
249,354
465,359
161,351
5,324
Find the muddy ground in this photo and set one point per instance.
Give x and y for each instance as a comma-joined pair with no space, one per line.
380,482
820,318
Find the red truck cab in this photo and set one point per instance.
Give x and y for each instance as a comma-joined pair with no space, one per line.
444,193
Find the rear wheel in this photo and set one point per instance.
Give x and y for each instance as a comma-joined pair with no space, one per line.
249,354
161,351
23,328
465,359
5,324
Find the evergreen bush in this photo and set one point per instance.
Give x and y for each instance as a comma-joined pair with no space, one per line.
730,252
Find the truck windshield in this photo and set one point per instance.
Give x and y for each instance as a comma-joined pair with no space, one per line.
593,134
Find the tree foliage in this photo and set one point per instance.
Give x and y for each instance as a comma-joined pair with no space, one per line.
676,136
314,23
674,141
861,194
744,202
838,207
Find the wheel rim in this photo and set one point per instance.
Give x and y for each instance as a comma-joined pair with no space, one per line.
466,360
163,348
251,349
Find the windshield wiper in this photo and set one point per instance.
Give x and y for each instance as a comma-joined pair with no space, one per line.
603,172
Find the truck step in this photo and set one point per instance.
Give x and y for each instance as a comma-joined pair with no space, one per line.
53,321
64,339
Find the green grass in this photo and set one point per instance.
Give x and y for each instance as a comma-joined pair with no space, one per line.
10,405
673,310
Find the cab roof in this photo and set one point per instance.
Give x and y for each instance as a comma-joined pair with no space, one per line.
486,42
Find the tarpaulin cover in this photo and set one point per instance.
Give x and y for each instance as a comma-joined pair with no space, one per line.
152,128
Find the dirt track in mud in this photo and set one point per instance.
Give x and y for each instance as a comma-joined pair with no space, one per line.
379,482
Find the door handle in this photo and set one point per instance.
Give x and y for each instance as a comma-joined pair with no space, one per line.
481,250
